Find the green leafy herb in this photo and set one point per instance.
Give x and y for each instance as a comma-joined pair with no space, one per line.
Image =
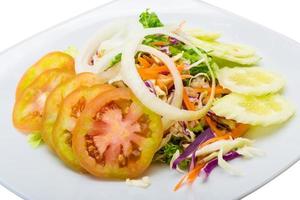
35,139
166,153
197,128
202,68
150,39
184,164
169,149
115,60
186,82
176,49
150,19
188,53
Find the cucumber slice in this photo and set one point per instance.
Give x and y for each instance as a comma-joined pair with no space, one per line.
231,52
250,80
263,110
252,60
202,35
234,50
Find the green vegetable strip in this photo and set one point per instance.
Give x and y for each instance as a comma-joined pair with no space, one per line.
150,19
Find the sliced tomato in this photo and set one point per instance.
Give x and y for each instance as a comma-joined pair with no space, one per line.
69,112
28,109
116,136
53,60
56,97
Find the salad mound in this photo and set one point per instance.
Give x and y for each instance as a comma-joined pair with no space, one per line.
145,91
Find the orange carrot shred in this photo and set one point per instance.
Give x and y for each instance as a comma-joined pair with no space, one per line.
159,43
180,183
189,105
143,62
215,139
190,177
213,126
218,90
149,59
238,131
155,70
195,173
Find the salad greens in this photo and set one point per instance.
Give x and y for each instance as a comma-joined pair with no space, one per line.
35,139
197,113
201,68
149,19
198,128
115,60
151,39
166,153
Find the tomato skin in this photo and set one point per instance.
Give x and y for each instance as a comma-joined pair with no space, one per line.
53,60
148,146
56,97
66,121
28,109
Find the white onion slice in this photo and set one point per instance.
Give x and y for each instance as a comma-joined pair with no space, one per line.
135,83
110,74
101,64
105,33
177,99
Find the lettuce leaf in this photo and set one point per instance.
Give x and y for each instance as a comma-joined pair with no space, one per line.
150,19
35,140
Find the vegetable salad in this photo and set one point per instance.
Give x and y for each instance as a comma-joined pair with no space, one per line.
145,91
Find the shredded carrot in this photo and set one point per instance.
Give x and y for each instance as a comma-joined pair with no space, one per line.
159,43
180,67
155,70
213,126
238,131
180,183
149,59
147,75
218,90
189,105
166,82
215,139
143,62
190,177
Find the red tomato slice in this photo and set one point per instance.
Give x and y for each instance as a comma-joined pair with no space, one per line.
69,112
56,97
54,60
28,109
116,136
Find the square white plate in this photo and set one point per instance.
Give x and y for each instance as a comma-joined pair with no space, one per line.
37,174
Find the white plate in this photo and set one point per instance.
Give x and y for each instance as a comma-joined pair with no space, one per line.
37,174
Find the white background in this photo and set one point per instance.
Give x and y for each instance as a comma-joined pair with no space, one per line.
20,19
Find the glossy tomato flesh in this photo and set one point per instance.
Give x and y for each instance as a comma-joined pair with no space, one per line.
53,60
69,112
56,97
29,108
116,136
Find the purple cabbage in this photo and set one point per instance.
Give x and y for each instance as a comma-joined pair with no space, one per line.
204,136
174,41
165,49
214,163
150,85
184,127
